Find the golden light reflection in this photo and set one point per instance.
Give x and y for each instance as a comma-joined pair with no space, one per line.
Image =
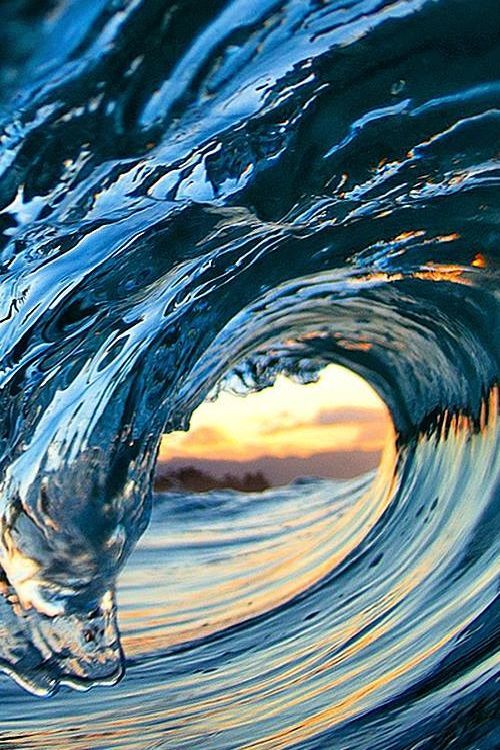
479,261
202,598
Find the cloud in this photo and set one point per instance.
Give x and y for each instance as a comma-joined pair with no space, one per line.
200,439
343,414
208,434
350,416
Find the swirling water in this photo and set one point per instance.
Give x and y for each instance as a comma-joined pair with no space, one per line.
198,196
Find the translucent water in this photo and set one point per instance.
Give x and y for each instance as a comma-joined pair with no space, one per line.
202,195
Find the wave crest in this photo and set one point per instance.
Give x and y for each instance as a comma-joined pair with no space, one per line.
197,199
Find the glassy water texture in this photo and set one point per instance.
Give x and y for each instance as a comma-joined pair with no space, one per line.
199,196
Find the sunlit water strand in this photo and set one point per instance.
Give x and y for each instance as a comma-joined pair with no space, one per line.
202,197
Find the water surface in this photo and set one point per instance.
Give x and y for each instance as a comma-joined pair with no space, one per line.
200,196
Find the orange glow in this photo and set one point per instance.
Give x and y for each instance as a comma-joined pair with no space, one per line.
448,237
409,235
479,261
443,272
339,412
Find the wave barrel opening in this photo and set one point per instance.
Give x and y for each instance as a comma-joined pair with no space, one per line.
203,201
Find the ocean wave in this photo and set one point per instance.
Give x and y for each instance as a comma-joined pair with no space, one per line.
200,197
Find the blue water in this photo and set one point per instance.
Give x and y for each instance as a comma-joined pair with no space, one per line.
198,196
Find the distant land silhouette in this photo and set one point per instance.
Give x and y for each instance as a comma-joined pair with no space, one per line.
192,479
202,475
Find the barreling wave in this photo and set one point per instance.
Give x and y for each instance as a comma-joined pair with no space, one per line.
201,196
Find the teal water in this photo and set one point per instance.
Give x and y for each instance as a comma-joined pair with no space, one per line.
200,196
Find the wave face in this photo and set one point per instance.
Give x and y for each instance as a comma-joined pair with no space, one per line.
200,196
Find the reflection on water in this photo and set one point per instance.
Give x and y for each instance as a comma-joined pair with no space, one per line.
277,545
307,601
201,198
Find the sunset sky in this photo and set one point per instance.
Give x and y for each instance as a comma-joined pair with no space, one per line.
340,412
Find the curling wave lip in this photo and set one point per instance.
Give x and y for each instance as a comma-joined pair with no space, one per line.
198,198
